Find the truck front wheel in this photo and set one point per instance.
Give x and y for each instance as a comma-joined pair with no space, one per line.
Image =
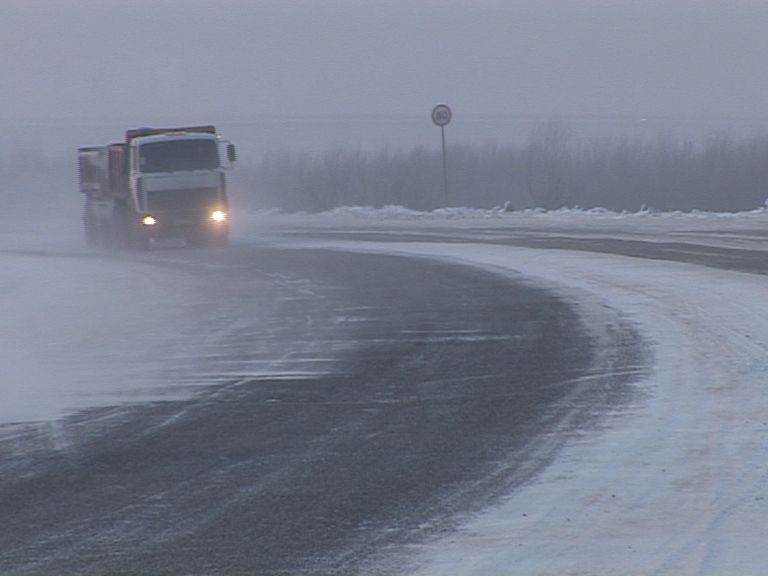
89,227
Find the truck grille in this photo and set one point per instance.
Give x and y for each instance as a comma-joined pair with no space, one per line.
192,199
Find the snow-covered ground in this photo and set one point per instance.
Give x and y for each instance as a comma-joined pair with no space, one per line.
81,328
677,484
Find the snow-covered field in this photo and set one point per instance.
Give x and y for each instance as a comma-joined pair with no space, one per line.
677,485
80,328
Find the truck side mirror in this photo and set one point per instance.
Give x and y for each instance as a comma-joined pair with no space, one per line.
231,153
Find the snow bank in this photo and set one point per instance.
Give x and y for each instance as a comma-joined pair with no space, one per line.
400,212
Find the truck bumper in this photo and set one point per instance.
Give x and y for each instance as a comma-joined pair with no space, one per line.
196,228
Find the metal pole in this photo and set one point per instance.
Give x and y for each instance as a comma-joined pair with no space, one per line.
445,165
441,115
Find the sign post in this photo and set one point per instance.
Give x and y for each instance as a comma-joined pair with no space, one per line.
441,116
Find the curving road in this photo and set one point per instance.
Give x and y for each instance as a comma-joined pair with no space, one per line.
448,386
341,399
405,394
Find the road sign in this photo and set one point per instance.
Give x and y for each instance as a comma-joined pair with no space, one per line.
441,115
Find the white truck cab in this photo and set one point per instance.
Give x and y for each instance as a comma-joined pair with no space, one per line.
162,182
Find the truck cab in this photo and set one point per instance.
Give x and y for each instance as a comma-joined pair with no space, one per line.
178,185
158,183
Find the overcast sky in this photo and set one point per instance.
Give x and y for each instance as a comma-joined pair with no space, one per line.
325,72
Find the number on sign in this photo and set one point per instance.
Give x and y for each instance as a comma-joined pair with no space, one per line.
441,115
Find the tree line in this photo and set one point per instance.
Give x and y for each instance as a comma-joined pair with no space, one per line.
550,170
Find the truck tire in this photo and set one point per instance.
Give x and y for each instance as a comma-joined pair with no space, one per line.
138,239
89,226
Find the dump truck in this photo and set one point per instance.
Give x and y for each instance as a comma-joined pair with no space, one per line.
158,183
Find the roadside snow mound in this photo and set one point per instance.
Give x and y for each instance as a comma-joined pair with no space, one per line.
401,212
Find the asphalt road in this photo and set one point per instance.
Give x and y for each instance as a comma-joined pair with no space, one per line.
447,388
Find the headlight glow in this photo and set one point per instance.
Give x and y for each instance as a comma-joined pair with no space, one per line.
149,220
218,216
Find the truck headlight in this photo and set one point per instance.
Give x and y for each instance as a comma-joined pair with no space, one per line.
149,220
218,216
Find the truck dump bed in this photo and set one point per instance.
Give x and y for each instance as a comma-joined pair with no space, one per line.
93,164
102,171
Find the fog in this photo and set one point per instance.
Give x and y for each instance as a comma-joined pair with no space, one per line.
311,75
362,76
617,103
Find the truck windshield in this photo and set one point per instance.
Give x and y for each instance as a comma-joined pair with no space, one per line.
174,155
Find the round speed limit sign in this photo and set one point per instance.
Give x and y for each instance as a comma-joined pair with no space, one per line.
441,114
